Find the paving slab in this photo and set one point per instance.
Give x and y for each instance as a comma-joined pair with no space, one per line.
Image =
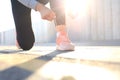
46,63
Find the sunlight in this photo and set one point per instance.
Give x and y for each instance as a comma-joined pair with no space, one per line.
6,18
78,71
77,7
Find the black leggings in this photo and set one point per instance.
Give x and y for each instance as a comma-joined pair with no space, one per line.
22,18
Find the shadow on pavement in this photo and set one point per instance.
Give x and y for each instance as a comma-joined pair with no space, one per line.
9,51
24,70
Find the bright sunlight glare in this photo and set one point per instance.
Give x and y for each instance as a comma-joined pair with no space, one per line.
79,7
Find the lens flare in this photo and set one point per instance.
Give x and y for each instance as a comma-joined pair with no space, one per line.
77,7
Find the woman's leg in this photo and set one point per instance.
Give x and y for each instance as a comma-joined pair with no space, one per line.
62,41
43,1
22,18
58,6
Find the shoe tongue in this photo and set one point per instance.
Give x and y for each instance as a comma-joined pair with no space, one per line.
61,33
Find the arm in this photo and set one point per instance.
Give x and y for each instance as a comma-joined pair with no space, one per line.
29,3
46,13
33,4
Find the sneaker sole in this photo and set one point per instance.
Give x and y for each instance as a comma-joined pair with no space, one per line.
67,48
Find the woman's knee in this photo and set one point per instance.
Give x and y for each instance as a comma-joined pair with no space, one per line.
26,45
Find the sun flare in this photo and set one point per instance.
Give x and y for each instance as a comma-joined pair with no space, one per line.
79,7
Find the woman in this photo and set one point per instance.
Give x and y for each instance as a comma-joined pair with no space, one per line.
22,17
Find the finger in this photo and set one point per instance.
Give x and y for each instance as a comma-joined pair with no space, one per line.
53,15
47,18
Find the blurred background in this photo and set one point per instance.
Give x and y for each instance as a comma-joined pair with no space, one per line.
89,21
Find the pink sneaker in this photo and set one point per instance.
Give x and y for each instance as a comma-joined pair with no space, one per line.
63,42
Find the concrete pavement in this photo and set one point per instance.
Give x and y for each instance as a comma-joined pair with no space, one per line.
46,63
